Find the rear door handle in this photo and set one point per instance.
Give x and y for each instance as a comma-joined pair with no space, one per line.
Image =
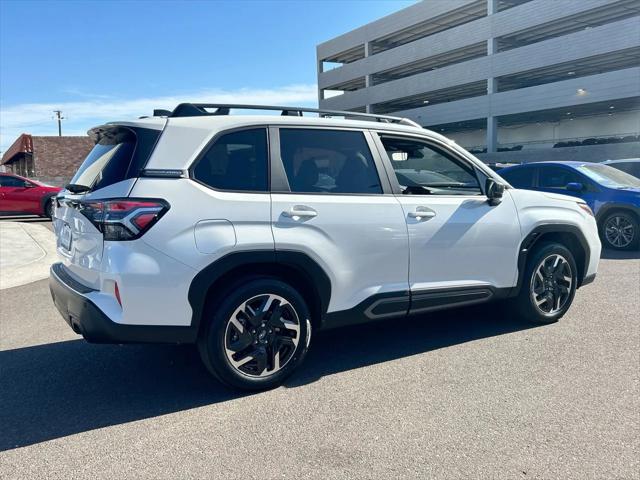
422,212
300,211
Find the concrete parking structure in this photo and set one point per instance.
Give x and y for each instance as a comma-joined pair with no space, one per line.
495,75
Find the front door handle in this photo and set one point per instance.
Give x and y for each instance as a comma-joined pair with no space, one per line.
300,211
422,213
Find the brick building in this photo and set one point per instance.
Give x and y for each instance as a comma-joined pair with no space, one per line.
53,160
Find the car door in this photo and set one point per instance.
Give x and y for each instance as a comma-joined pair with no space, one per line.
462,248
331,200
6,183
557,179
16,194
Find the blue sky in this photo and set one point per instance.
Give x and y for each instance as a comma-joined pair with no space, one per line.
99,61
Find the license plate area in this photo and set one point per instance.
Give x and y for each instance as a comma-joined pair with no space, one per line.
66,237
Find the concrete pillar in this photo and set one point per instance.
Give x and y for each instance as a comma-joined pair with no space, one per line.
492,134
492,87
492,7
319,67
367,78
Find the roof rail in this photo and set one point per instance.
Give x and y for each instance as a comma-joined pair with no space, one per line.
201,109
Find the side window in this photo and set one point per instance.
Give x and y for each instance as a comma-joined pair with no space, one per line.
632,168
557,177
7,181
519,177
422,168
236,161
328,161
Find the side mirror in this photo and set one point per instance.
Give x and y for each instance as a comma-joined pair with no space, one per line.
575,187
29,185
494,191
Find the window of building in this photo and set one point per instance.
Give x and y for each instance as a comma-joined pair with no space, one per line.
236,161
328,161
422,169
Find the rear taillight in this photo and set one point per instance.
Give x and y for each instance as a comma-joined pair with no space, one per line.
123,218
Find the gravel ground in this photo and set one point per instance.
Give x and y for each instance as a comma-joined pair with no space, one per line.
468,394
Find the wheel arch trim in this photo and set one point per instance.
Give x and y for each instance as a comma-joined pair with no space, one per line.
538,233
604,210
237,261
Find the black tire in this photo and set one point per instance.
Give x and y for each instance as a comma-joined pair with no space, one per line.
615,229
266,337
524,304
48,209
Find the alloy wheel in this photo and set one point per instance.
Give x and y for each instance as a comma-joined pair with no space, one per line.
619,231
551,284
262,335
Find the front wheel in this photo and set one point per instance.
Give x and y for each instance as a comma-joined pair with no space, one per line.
49,209
256,334
619,231
549,284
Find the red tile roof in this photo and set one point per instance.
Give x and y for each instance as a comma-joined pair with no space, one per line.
23,144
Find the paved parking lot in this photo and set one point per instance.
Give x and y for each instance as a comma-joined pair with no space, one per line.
470,394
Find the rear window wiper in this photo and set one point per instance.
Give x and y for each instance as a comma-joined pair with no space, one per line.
77,188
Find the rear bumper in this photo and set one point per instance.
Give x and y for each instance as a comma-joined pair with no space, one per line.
85,318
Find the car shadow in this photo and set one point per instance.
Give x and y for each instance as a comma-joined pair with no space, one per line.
54,390
24,219
620,254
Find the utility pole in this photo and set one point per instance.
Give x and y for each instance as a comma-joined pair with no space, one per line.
59,117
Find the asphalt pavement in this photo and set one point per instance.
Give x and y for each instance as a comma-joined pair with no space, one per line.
467,394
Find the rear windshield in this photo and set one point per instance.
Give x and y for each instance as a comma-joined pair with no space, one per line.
119,153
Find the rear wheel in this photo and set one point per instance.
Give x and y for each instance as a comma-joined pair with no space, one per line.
620,231
549,284
256,335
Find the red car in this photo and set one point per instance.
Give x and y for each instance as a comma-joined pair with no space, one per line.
23,196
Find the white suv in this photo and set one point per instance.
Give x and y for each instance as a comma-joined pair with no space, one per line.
244,233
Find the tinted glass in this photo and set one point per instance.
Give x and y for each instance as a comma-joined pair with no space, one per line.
557,177
422,168
236,161
7,181
519,177
632,168
609,176
328,161
108,161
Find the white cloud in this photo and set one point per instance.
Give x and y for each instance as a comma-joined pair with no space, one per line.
37,118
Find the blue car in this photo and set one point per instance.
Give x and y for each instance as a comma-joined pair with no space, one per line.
613,195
